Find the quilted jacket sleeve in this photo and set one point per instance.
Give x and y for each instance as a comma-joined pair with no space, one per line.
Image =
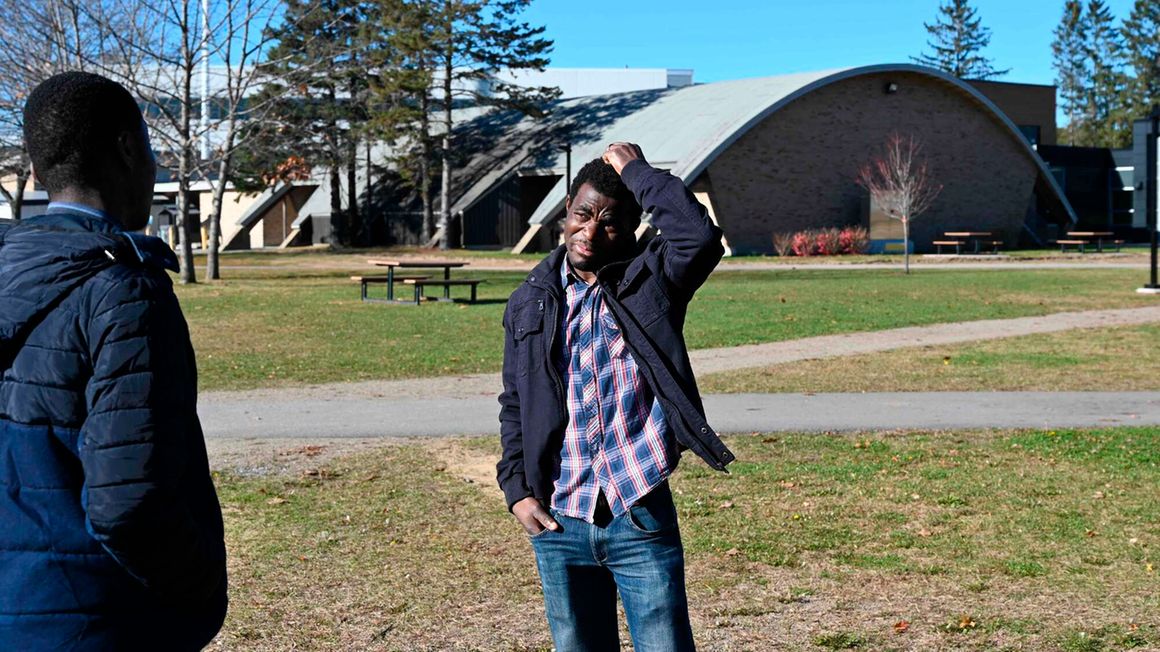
141,441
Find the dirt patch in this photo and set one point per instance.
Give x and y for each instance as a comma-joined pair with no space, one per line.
261,457
472,466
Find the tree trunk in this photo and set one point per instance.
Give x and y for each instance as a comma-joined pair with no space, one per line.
445,150
906,244
353,218
18,196
184,171
425,171
212,261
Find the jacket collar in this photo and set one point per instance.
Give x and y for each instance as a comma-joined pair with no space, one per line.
547,273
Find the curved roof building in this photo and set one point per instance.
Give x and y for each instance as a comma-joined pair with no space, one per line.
768,155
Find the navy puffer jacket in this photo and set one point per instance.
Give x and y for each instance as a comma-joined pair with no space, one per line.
110,529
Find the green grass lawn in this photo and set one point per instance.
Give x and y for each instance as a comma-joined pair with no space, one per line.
1101,359
270,326
1016,540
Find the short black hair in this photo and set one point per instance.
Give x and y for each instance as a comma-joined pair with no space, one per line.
604,180
71,123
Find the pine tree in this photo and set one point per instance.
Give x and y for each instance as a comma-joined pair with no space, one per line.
1107,110
472,40
318,68
1072,69
1088,54
957,39
1141,37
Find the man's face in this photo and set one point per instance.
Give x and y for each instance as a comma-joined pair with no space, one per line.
597,230
142,174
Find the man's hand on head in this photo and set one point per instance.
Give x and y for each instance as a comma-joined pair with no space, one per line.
532,515
619,155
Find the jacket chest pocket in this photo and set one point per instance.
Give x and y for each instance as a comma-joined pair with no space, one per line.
527,327
648,303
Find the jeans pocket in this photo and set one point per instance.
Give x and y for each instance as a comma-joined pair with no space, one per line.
539,535
653,515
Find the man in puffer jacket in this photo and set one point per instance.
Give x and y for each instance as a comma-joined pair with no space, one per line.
110,529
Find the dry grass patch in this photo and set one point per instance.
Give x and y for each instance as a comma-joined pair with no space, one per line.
1103,359
1030,540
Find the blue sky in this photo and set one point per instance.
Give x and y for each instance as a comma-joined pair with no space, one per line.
731,39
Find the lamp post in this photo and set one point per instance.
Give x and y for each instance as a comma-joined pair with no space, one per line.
1152,186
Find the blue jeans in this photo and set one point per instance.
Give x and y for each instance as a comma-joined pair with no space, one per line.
639,554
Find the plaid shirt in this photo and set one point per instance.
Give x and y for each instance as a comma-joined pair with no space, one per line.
617,440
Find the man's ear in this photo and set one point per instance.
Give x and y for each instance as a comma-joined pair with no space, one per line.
567,205
127,148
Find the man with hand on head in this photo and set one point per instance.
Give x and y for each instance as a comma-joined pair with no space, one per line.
112,532
599,401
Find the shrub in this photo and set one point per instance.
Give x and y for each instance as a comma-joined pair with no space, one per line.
854,240
802,244
782,244
823,242
826,242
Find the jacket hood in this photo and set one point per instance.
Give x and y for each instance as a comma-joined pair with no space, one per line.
44,259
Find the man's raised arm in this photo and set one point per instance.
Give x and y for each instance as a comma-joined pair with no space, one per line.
692,243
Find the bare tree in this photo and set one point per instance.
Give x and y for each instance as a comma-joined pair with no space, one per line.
241,42
900,183
49,37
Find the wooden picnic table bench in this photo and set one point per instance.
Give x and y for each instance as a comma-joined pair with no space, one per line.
957,244
445,283
969,237
364,281
1077,243
1099,237
393,263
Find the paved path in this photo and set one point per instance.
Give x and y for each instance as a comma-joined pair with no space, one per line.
319,419
466,404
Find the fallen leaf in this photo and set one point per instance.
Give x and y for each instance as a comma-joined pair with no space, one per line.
1091,533
276,500
1148,568
901,626
732,552
966,622
786,484
1133,627
924,532
725,505
1099,495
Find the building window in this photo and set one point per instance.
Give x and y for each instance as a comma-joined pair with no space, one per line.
1031,133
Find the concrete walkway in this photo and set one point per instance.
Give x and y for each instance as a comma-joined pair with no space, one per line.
467,404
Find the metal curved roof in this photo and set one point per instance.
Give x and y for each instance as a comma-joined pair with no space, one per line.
684,129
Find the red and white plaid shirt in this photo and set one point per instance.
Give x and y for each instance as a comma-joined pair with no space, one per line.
617,440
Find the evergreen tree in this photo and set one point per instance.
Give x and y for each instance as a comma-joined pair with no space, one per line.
1141,37
471,41
401,95
318,70
1088,53
1072,69
957,39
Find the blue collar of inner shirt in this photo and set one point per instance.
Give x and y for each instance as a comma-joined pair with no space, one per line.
87,211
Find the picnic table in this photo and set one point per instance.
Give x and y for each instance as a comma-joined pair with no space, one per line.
418,282
957,238
1085,235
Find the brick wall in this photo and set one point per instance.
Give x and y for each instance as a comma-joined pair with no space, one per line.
796,169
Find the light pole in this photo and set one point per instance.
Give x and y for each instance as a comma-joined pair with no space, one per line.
1152,186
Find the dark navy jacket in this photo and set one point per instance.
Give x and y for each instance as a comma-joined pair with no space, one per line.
110,529
648,295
